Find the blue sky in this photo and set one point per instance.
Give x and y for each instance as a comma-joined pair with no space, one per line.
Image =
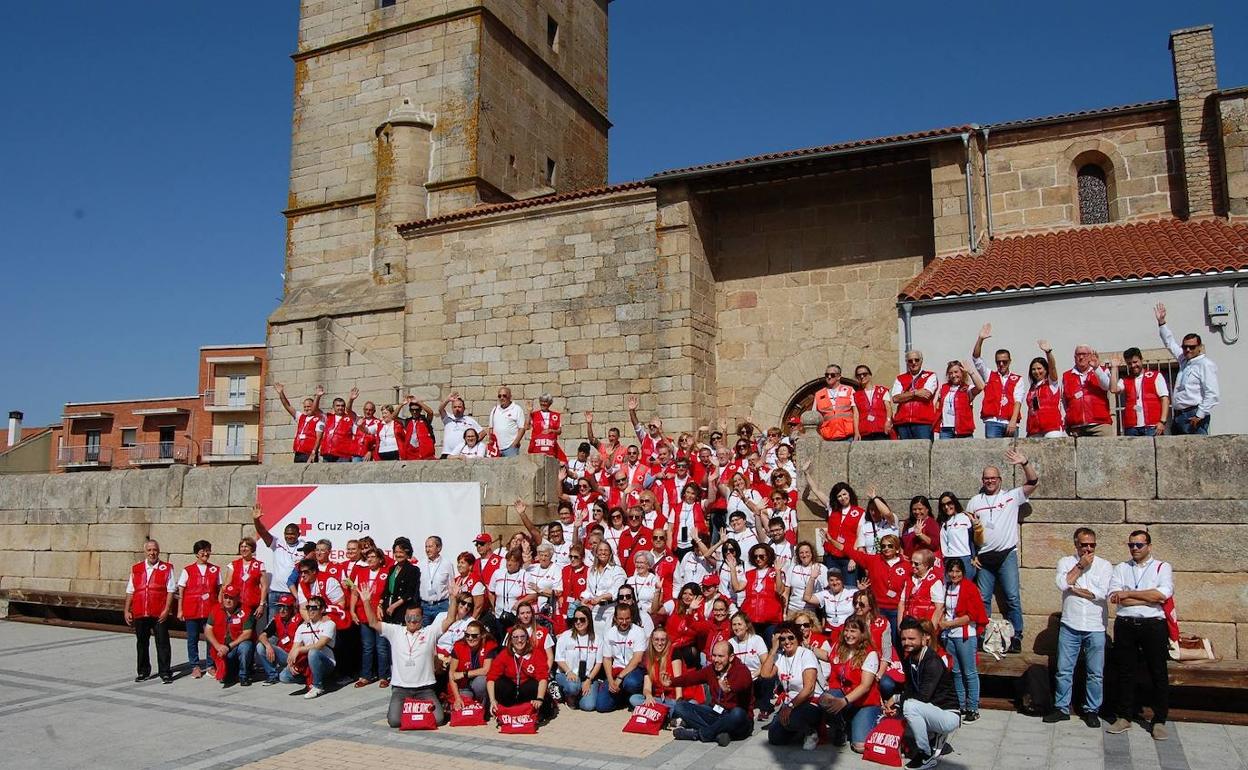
145,154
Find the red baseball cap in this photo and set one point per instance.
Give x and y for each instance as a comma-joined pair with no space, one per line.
484,537
231,590
286,600
795,421
710,580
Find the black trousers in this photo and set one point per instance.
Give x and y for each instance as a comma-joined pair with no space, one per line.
144,628
1147,639
508,694
302,457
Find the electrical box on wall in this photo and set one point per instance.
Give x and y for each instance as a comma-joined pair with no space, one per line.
1218,305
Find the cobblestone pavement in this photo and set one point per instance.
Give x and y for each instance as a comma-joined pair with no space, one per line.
68,700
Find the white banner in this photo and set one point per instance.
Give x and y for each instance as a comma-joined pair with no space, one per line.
342,512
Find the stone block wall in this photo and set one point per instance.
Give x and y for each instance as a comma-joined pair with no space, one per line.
81,532
1185,490
1233,112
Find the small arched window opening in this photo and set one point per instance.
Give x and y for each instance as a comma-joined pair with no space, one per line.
1093,195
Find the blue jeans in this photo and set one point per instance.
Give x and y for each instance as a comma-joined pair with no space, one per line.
857,719
1140,430
194,630
357,459
238,662
948,433
709,724
893,620
637,699
965,674
512,451
322,667
1070,644
803,720
572,691
995,429
1179,425
1007,575
630,685
375,656
429,611
887,686
851,578
274,667
913,430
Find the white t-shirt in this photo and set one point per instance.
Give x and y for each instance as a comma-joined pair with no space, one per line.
736,502
746,539
784,554
692,569
750,652
999,515
474,452
797,576
645,588
507,588
310,633
620,646
948,409
285,557
571,650
453,432
725,582
386,441
411,655
792,670
870,532
544,578
955,536
951,612
837,607
453,634
506,424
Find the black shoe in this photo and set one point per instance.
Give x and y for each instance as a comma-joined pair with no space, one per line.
921,762
244,683
1092,720
227,684
971,716
947,749
723,739
1056,715
685,734
166,679
142,677
1016,647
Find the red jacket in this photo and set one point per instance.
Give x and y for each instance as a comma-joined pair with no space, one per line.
887,581
971,603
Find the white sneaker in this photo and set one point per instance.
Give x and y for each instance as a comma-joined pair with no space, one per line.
313,692
810,742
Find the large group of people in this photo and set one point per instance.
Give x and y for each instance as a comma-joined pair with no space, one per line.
672,574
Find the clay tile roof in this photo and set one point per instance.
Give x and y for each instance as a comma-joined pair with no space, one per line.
494,208
1085,256
1083,114
777,157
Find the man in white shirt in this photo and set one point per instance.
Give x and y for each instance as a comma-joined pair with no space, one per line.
997,512
1141,587
1196,387
454,423
286,554
435,580
623,647
313,647
413,647
1147,408
509,422
1083,580
1004,391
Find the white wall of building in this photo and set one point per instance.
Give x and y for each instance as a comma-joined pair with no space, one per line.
1110,320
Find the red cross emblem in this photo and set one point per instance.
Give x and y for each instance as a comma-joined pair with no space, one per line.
304,526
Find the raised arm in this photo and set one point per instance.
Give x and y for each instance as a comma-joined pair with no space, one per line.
1016,457
522,510
1167,336
261,530
976,379
633,403
977,352
281,394
1049,359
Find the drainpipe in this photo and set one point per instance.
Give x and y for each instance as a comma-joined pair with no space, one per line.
987,185
906,309
970,199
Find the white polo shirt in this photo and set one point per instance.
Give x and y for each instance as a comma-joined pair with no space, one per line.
999,515
285,557
1078,613
1153,574
411,655
506,424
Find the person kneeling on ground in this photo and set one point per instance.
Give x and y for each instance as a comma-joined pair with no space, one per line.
727,717
928,703
230,631
413,649
520,673
797,670
312,649
277,638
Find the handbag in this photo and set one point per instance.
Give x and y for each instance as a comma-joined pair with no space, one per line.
647,720
471,715
1191,647
520,719
883,745
418,715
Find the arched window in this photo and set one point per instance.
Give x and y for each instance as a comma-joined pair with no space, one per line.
1093,195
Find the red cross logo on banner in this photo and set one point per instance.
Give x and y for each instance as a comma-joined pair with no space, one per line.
304,526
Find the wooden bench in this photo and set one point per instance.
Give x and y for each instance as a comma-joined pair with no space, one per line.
1216,674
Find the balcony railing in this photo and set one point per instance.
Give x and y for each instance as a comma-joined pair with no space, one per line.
158,453
225,401
84,457
221,452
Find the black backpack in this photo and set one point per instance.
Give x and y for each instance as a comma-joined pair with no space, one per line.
1035,690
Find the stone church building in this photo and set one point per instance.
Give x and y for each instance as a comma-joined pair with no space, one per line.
449,225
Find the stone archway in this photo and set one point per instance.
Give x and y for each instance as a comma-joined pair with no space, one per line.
790,378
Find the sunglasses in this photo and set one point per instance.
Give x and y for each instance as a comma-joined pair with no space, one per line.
580,620
787,638
472,636
802,625
1137,546
1087,545
464,604
1189,347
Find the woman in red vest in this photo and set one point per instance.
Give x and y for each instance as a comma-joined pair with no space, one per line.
764,595
1044,396
246,573
852,701
469,664
391,434
198,588
375,659
419,428
954,416
920,530
887,573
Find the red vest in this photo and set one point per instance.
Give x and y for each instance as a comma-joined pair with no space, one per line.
419,444
964,421
366,436
228,624
199,596
632,543
286,631
1044,414
916,412
249,587
843,528
919,602
573,585
872,410
761,603
698,518
150,597
484,568
360,576
339,438
1152,401
999,396
845,676
1087,403
543,440
665,568
305,433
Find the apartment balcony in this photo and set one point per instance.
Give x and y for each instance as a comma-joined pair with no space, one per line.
84,456
223,401
222,452
158,453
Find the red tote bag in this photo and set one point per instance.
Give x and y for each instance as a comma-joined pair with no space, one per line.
418,715
884,742
471,715
520,719
647,720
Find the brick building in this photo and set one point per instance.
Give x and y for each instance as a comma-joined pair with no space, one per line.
450,227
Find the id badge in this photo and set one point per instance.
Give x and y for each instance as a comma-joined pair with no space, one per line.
891,594
718,709
870,418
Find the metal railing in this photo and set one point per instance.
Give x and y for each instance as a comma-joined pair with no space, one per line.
222,399
222,451
84,455
158,453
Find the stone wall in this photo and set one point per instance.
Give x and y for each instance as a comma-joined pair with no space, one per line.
1233,111
81,532
1185,490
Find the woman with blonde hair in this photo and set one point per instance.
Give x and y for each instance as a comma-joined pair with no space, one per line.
852,701
660,668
